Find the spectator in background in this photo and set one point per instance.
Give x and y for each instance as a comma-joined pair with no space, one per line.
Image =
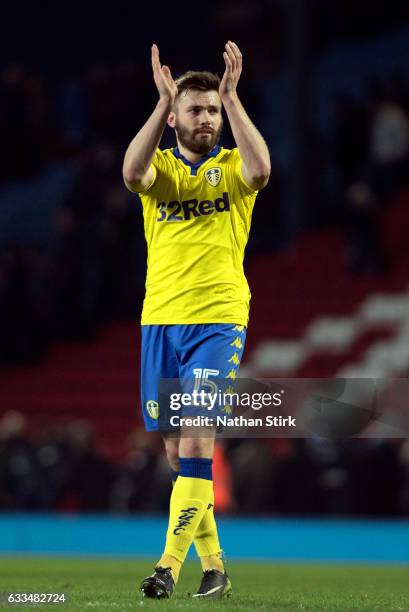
364,251
20,479
375,483
89,475
141,481
51,458
388,143
252,470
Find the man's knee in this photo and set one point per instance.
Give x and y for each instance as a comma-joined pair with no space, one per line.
196,447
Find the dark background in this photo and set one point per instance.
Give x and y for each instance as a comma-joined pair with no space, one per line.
326,83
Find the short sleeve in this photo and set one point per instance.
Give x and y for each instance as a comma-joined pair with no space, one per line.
237,171
155,172
162,172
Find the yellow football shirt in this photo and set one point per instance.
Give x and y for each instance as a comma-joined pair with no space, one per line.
196,229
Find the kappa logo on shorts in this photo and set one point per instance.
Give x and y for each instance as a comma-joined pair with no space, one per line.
153,409
213,176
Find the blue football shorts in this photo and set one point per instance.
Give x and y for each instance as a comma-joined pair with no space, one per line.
186,353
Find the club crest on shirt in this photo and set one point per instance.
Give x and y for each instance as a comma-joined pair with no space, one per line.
153,409
213,176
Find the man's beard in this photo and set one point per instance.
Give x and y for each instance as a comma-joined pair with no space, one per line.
190,141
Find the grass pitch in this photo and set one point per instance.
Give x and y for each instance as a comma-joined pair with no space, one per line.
113,584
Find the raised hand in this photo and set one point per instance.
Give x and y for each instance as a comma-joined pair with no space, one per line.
162,76
233,60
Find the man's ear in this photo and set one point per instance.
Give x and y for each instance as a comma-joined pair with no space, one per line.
171,120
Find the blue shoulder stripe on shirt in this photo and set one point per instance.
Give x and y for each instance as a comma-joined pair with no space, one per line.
195,166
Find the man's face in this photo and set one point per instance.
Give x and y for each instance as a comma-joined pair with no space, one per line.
197,120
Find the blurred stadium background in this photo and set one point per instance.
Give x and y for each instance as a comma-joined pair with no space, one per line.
327,262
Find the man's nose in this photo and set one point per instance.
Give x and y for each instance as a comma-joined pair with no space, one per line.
206,118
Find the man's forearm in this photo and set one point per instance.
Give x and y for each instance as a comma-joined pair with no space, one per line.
251,144
141,150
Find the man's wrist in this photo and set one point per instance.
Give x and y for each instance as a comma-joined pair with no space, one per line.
165,103
230,99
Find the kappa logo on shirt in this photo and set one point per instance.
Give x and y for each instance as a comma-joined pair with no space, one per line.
213,176
184,211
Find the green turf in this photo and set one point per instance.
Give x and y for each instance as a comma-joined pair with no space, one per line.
112,584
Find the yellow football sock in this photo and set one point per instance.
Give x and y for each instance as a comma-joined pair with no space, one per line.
207,540
173,563
188,503
212,562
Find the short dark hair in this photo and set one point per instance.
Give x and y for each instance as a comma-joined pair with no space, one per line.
202,81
